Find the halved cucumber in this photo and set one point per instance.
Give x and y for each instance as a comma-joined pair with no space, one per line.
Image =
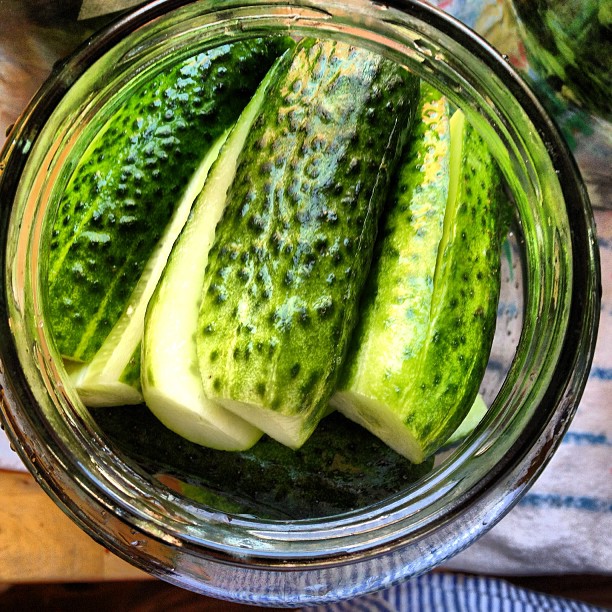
105,380
415,373
124,189
171,382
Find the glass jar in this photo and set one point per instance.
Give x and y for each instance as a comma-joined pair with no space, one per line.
539,364
568,42
567,45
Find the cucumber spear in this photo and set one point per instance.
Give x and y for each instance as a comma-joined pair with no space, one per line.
171,382
293,248
428,320
125,203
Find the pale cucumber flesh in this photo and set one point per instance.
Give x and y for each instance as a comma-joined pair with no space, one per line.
171,381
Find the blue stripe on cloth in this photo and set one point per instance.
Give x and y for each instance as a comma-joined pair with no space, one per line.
567,502
586,438
451,592
601,373
604,243
457,598
434,598
413,595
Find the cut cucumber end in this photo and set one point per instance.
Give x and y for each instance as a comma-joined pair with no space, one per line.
206,423
291,430
100,392
380,420
109,394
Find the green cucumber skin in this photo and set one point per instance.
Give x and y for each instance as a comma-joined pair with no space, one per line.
293,248
465,306
438,390
342,467
131,374
122,194
397,301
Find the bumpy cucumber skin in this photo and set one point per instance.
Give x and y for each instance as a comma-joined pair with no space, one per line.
293,248
342,467
436,393
171,382
397,301
123,192
464,311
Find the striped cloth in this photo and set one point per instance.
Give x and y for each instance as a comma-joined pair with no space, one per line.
448,592
564,523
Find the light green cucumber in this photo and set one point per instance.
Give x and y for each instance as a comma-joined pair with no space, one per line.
124,190
472,419
293,247
106,380
171,382
413,393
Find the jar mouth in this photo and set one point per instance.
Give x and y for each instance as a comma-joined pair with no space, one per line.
473,487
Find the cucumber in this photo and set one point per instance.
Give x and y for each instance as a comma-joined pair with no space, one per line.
293,247
414,392
475,414
171,383
125,188
112,377
342,467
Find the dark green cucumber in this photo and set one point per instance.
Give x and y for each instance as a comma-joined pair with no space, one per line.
293,248
112,377
123,191
342,467
413,393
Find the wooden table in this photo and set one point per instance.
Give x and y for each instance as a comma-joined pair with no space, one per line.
47,562
39,543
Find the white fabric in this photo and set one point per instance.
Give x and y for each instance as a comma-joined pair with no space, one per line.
564,523
8,458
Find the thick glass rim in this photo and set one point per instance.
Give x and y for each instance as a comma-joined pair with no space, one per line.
180,535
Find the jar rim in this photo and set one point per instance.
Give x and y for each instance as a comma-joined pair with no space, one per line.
514,472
